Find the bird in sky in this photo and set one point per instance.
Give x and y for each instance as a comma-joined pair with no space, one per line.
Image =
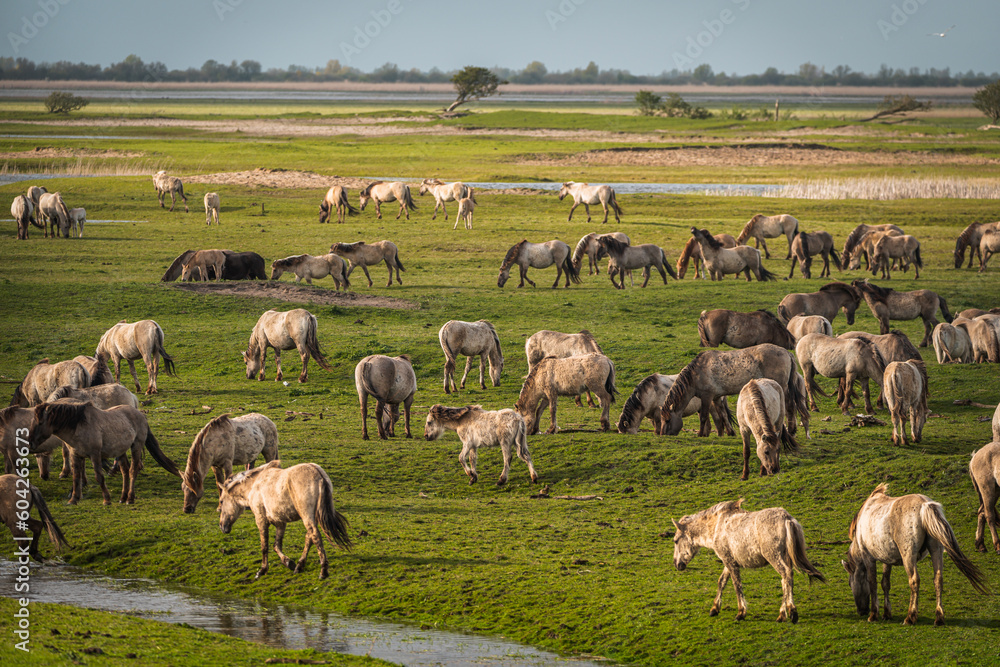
940,34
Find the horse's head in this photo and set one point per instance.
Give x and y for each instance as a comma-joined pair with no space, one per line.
276,269
193,488
252,363
324,211
187,271
768,451
564,190
432,428
424,188
854,262
233,497
364,198
503,277
858,571
531,417
684,547
496,367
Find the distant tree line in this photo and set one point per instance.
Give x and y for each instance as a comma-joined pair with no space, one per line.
133,68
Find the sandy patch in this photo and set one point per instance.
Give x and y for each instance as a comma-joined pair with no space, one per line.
49,152
296,294
262,177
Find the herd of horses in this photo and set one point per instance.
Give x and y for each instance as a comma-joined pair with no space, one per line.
79,406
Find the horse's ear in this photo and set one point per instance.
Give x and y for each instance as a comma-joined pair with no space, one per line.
847,566
739,503
675,524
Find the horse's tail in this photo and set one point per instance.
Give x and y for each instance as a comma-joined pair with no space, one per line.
614,204
932,518
764,273
397,262
944,309
408,199
168,361
154,448
795,545
703,330
666,264
312,344
571,270
788,440
992,347
609,382
916,257
332,522
522,441
836,259
351,210
55,534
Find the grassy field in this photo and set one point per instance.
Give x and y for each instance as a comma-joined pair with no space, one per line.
577,577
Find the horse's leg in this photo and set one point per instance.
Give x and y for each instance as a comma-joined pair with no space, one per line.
279,539
792,272
705,426
605,409
173,200
324,563
222,473
468,451
886,583
364,416
277,365
78,472
747,437
367,275
717,603
604,205
468,365
262,528
95,460
910,564
937,560
741,601
788,610
763,243
67,467
482,364
898,432
552,414
123,463
434,217
572,208
135,378
379,409
378,209
646,273
866,387
406,415
559,273
929,324
586,207
524,276
444,209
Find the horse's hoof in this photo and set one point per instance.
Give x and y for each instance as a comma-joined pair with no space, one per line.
365,437
713,612
741,616
795,616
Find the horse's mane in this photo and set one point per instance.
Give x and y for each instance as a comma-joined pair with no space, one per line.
776,324
406,358
757,400
18,394
726,506
747,229
581,247
854,237
963,239
512,255
679,391
686,251
6,414
839,287
348,247
368,188
906,346
192,475
493,332
712,242
633,406
878,294
62,415
589,337
532,377
444,413
613,245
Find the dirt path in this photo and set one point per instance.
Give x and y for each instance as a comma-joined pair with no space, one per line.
296,294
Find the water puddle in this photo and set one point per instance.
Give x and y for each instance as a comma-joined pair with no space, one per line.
276,625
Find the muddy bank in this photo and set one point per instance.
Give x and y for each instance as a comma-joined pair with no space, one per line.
296,294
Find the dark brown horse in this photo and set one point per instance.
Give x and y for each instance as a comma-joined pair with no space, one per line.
741,330
888,304
858,233
804,246
828,301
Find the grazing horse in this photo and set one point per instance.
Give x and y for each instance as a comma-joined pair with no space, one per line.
828,301
904,247
984,469
391,381
212,208
989,246
626,257
647,400
887,304
52,211
243,266
222,443
719,260
587,194
590,245
278,497
971,238
743,539
291,330
848,358
466,209
171,185
800,325
715,373
364,255
804,246
547,343
202,264
538,256
15,493
899,531
692,251
176,267
472,339
23,211
336,199
906,393
15,422
741,330
445,192
859,233
309,267
482,428
139,340
762,227
952,344
983,340
760,413
382,192
550,378
866,248
96,434
44,378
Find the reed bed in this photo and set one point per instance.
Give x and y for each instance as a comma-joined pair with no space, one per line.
86,167
876,188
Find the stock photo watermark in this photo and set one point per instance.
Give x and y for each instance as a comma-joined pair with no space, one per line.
47,10
223,7
898,17
363,35
698,43
562,13
22,617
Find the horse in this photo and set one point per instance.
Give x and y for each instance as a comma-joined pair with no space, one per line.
866,248
23,211
77,218
336,199
626,257
52,211
364,255
742,539
445,192
590,246
905,248
899,531
906,393
290,330
277,497
741,330
762,227
466,208
692,251
983,340
887,304
139,340
719,260
470,339
550,378
715,373
989,246
309,267
243,266
538,256
171,185
973,313
893,346
804,246
828,301
800,325
34,193
996,425
647,400
587,194
859,233
222,443
96,434
385,192
212,208
547,343
482,428
391,381
760,413
44,378
15,493
176,267
952,344
103,396
202,264
971,237
984,469
848,358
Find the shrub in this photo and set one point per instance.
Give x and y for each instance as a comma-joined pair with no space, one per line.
59,102
987,100
649,103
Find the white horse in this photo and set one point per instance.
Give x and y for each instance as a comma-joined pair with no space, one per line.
77,216
952,344
23,211
482,428
52,211
292,330
310,266
386,192
336,198
391,381
212,208
539,256
35,193
169,185
590,245
586,194
762,227
801,325
444,192
472,339
720,261
139,340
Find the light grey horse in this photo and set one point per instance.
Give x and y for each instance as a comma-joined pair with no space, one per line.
800,325
52,212
445,192
391,381
212,208
547,343
762,227
139,340
627,257
952,344
906,392
171,185
23,211
587,194
760,413
720,261
336,199
364,255
538,256
590,245
291,330
382,192
310,267
849,358
472,339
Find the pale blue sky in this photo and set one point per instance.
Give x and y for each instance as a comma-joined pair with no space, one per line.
643,36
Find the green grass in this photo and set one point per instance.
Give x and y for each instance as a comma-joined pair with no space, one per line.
574,577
